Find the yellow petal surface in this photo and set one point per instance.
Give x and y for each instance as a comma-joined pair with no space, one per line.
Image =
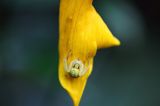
82,31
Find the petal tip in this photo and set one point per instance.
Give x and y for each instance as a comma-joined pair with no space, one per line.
117,42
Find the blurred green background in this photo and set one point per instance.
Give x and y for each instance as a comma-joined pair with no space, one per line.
128,75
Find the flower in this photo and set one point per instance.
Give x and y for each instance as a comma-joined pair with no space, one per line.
82,31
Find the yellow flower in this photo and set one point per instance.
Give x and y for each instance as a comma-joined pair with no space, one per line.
82,32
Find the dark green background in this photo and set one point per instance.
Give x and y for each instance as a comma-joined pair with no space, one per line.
128,75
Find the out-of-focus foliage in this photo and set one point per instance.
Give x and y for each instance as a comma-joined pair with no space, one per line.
127,76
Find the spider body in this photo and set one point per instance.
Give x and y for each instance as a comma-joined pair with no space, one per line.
74,73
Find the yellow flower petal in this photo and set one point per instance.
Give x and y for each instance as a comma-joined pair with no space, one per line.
82,32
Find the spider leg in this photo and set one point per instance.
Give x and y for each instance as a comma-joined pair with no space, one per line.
66,68
84,69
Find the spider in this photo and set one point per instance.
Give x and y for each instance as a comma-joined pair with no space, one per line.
76,68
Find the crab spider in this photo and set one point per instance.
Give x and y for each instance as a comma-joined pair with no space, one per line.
76,68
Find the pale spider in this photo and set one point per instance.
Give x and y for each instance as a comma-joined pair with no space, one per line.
76,68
